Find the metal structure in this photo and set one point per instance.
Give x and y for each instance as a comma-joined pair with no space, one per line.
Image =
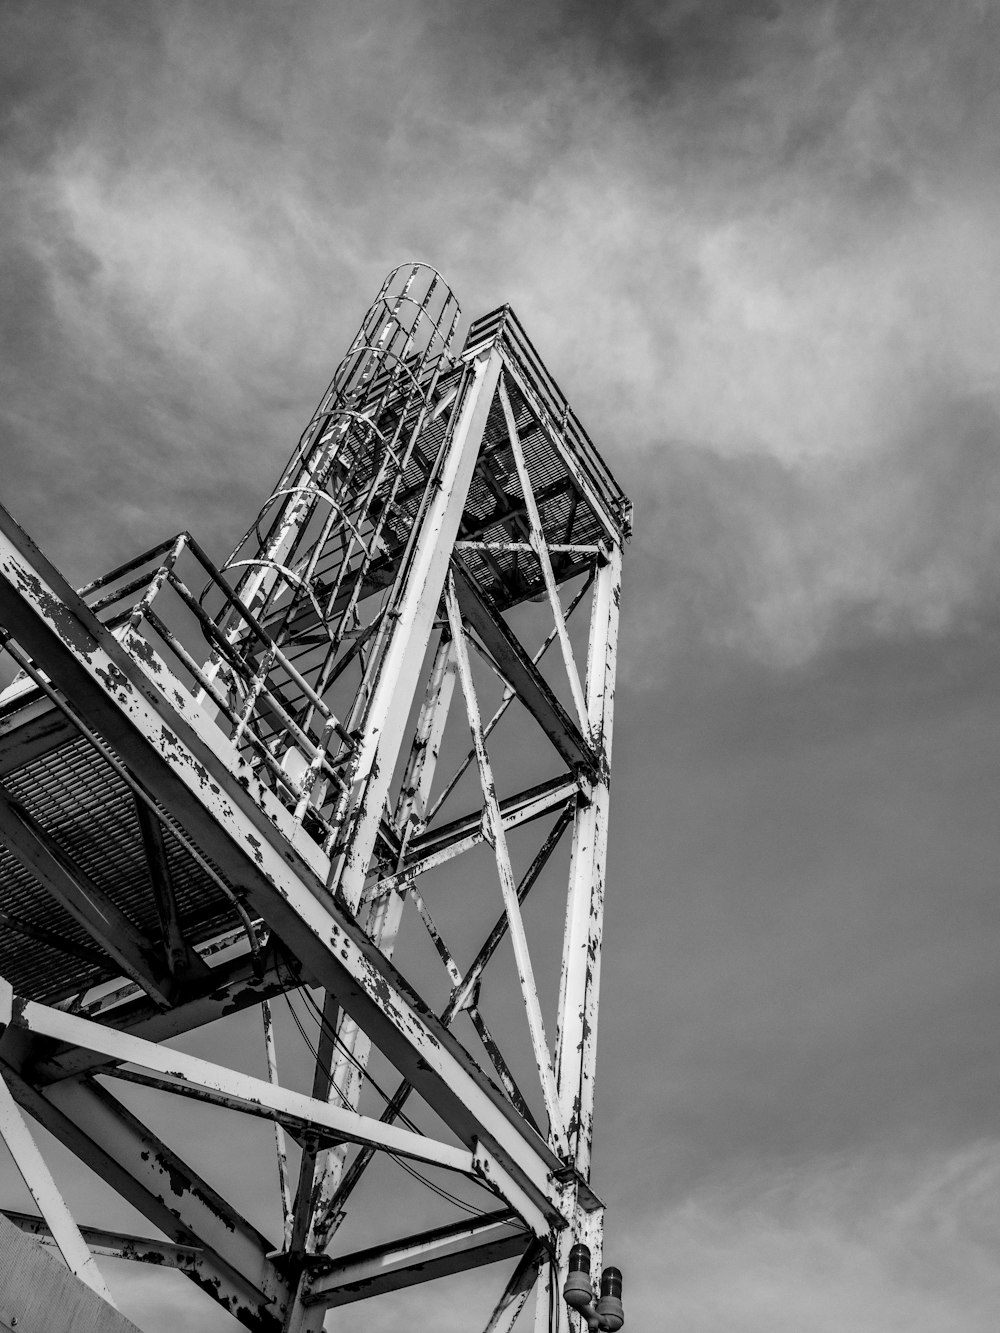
222,786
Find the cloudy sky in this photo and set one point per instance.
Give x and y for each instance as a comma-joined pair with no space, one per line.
758,243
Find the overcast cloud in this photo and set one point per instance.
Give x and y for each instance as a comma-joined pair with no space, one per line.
759,246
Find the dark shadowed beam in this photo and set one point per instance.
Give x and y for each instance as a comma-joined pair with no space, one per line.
78,895
517,668
181,958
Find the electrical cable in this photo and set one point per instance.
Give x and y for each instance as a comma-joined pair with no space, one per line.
345,1049
325,1027
410,1170
437,1189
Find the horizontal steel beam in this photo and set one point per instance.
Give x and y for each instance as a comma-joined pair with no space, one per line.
516,810
118,1244
404,1263
240,1092
232,986
432,849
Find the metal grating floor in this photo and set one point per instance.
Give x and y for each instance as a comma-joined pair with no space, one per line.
89,812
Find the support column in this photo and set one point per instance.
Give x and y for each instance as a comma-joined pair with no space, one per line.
576,1041
384,921
385,702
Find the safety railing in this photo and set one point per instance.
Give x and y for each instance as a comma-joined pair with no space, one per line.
175,601
503,323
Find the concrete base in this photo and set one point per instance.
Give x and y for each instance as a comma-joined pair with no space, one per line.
38,1293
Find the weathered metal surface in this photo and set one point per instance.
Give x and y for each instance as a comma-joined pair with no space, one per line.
242,829
199,800
384,915
38,1294
520,672
508,885
579,994
382,718
280,1141
190,1075
235,1270
235,984
117,1244
416,1259
36,1175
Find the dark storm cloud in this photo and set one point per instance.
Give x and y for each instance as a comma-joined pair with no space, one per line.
761,230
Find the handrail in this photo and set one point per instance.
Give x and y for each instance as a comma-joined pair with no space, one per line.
133,601
503,323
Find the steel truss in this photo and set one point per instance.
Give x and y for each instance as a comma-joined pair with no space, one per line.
222,786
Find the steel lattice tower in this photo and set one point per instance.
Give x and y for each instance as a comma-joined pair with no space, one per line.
223,786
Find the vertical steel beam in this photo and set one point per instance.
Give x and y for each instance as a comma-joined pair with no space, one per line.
280,1142
298,1229
547,1301
408,629
386,914
579,988
326,1170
